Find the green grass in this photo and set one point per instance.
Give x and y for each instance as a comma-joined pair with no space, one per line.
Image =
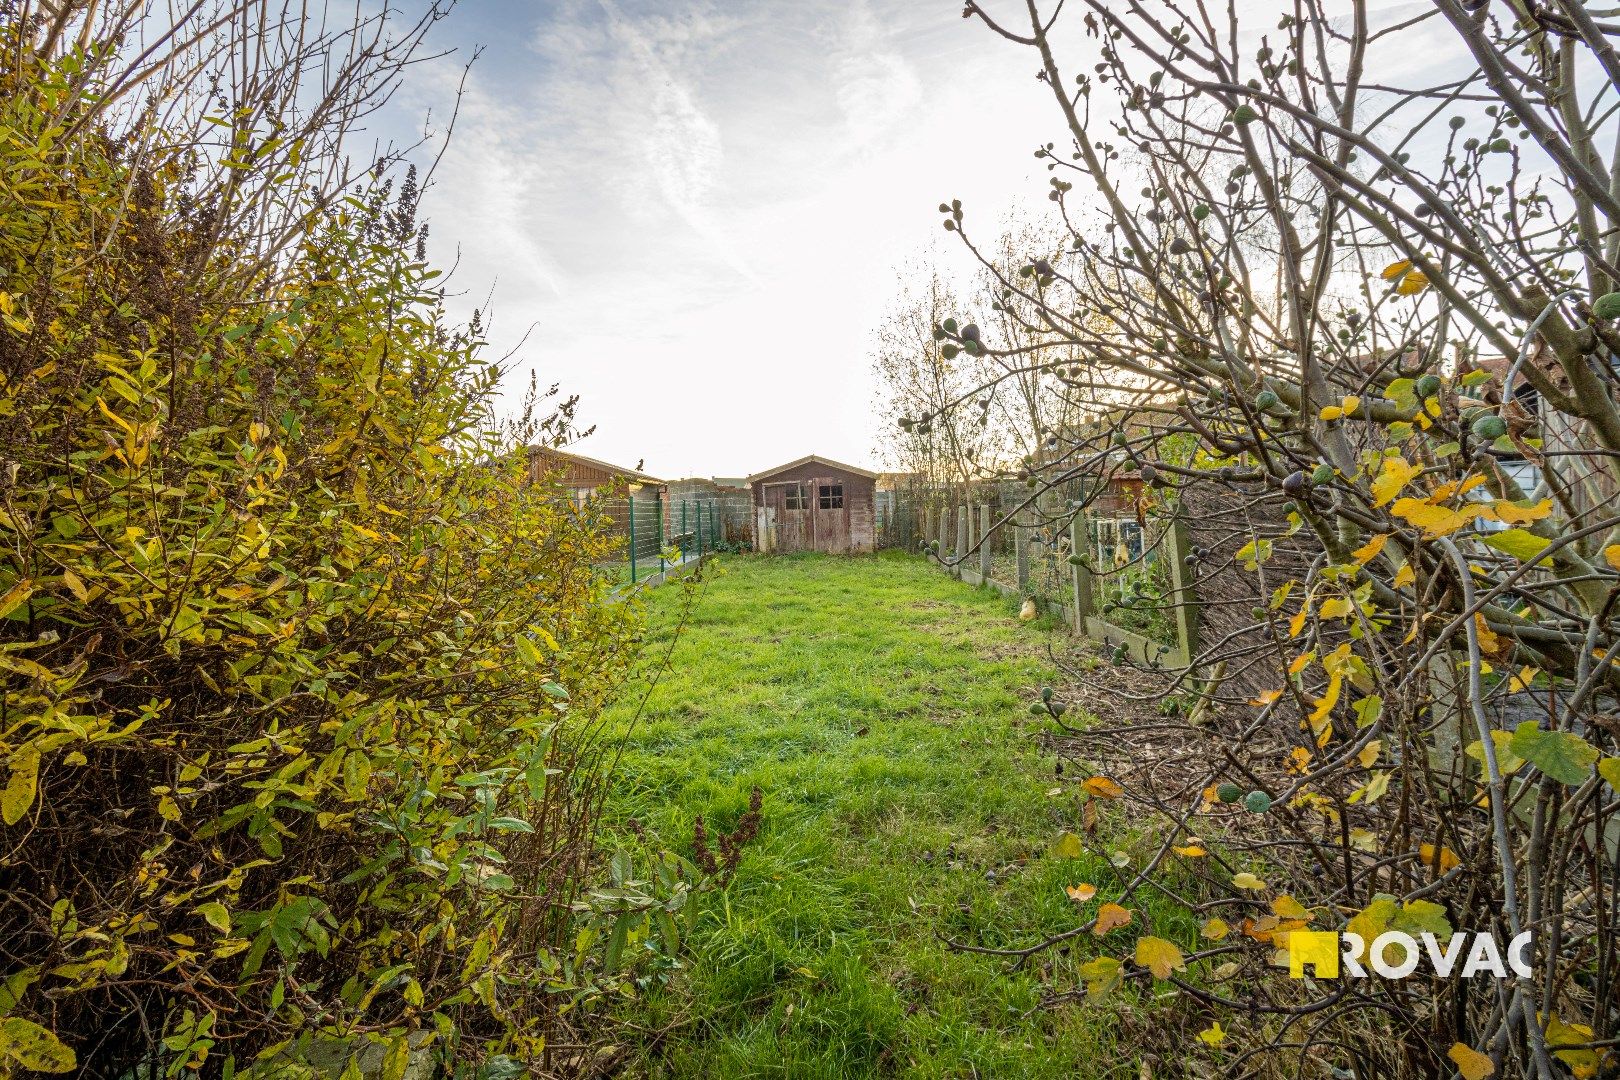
883,709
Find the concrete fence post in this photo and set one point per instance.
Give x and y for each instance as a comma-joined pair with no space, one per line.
1021,532
944,532
1178,545
961,534
985,519
1080,548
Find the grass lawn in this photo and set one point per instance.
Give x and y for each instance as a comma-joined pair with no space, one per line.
883,709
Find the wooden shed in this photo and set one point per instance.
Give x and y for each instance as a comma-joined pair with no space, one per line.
813,504
581,476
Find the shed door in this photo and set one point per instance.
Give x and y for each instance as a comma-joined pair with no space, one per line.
789,504
830,502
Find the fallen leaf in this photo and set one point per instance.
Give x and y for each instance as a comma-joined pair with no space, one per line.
1286,907
1080,893
1111,917
1212,1035
1246,880
1214,930
1103,788
1470,1062
1159,956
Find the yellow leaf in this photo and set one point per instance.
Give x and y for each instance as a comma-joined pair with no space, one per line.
1191,851
1331,412
1395,270
1435,521
1214,930
1335,608
1611,555
1159,956
1413,283
22,784
1067,846
1101,975
1513,514
1523,679
1447,859
1103,788
1266,697
1080,893
1404,576
34,1048
15,595
1470,1062
1367,552
1212,1035
1286,907
1396,475
1110,917
1246,880
1351,404
1369,753
75,586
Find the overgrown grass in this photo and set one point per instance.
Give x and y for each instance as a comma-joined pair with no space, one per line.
883,709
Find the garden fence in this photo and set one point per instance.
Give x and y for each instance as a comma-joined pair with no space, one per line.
1117,574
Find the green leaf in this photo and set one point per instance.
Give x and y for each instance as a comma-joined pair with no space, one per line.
1561,755
34,1048
216,915
1067,846
21,785
1522,544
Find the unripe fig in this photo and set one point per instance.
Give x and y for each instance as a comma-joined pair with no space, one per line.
1229,793
970,332
1294,483
1323,474
1257,802
1266,399
1490,427
1428,386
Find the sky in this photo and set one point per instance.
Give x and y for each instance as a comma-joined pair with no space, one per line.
693,214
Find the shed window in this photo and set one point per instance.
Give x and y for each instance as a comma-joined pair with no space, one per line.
832,496
793,498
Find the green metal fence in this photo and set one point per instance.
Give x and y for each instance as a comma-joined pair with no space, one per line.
657,534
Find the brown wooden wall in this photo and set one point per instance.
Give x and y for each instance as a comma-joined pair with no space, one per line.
813,528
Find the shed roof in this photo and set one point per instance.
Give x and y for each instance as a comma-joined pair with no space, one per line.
819,460
617,470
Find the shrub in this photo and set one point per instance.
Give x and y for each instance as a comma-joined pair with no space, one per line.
300,681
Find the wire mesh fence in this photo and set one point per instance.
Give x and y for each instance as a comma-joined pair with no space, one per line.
1095,555
656,533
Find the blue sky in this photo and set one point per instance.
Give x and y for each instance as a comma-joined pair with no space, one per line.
696,211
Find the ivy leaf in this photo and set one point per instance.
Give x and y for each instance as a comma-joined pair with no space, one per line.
1159,956
1564,756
